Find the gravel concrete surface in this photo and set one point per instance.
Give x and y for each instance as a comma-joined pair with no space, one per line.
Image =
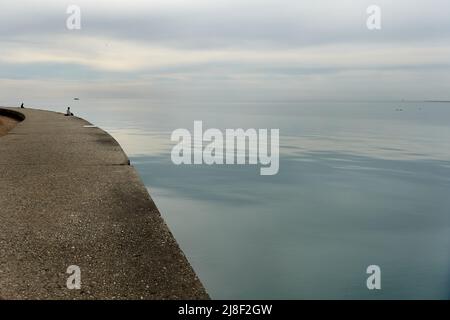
6,124
69,197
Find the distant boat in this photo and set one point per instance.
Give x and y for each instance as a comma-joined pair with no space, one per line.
76,99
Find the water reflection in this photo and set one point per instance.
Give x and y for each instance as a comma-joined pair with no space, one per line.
359,184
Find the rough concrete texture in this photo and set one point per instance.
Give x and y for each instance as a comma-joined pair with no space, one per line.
6,124
69,197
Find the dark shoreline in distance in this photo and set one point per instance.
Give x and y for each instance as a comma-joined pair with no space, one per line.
428,101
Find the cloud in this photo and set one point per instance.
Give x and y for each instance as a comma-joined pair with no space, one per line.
250,45
104,54
231,23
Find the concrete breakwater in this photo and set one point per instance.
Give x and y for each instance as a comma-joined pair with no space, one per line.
68,197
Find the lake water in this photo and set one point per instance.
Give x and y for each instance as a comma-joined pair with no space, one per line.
359,184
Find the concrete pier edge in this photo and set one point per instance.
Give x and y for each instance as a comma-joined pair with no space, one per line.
12,114
68,196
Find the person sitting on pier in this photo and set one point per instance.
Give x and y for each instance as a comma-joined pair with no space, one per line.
68,112
21,106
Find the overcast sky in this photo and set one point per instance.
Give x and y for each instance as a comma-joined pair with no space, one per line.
250,49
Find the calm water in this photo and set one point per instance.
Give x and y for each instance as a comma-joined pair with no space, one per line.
359,184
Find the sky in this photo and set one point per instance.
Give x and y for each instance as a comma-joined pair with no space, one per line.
258,50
